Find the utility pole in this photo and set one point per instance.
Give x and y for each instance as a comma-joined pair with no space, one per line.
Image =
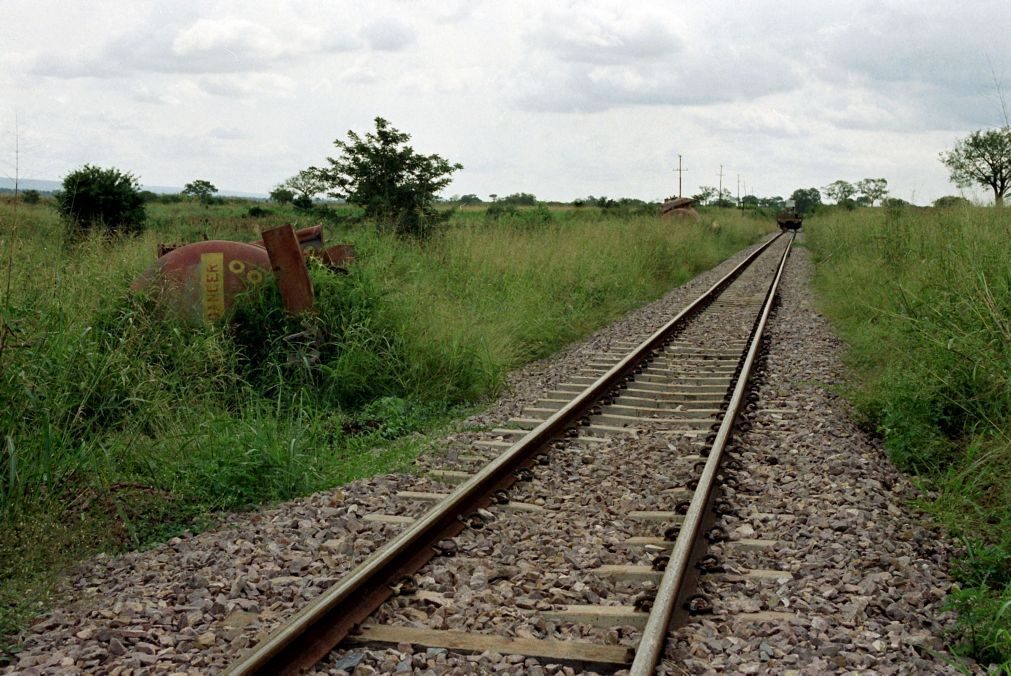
738,191
719,195
680,171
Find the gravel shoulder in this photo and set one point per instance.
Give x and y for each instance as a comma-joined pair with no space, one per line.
867,574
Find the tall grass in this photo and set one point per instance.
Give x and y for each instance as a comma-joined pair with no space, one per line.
119,428
923,297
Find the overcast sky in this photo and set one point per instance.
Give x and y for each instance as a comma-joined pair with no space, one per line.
561,99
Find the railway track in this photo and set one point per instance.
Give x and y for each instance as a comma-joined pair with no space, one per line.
576,531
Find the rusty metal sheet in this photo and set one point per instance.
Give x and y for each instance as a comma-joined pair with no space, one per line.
290,271
309,239
200,281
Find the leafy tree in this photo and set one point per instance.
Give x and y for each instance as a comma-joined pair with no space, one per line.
949,201
705,193
282,195
806,200
307,184
894,203
750,202
776,203
470,199
382,174
982,158
872,189
31,196
148,196
103,199
841,191
520,199
201,190
726,199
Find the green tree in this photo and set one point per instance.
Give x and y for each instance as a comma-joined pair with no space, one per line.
282,195
725,199
982,158
949,201
841,191
200,190
470,199
94,198
31,196
306,184
872,189
382,174
705,193
519,199
806,200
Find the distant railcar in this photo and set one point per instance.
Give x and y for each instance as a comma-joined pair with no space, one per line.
789,219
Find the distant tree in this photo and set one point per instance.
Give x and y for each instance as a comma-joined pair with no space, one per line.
982,158
307,184
282,195
726,199
200,190
841,191
949,201
872,189
148,196
750,202
806,200
520,199
894,203
493,196
93,198
382,174
31,196
705,193
776,203
470,199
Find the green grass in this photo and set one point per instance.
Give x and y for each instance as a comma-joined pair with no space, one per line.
923,299
120,429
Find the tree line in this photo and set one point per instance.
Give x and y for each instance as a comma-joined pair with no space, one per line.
399,188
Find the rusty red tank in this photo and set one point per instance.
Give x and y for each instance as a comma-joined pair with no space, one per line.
200,281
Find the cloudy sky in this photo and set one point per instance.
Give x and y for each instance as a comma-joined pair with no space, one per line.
561,99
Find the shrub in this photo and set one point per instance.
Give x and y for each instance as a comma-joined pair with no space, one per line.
31,196
94,198
257,211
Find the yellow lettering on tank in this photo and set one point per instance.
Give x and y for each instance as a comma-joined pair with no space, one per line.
212,285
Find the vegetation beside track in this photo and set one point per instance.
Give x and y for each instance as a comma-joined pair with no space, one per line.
118,430
923,299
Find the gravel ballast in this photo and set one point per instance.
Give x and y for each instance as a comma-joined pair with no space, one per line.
867,575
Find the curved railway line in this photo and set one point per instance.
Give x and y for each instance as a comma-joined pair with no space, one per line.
576,531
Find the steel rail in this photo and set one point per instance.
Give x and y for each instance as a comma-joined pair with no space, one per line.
654,635
322,624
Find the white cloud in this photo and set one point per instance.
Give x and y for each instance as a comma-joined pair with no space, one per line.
245,85
388,34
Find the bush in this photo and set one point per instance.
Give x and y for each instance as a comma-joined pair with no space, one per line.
257,211
31,196
108,200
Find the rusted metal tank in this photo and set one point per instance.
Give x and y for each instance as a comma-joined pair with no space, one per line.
199,282
679,208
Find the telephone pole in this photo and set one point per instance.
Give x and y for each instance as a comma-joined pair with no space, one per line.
680,171
738,191
719,195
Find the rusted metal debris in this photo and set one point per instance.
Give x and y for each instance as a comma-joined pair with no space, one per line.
679,207
200,281
288,263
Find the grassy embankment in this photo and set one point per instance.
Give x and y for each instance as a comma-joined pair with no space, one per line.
923,299
119,429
